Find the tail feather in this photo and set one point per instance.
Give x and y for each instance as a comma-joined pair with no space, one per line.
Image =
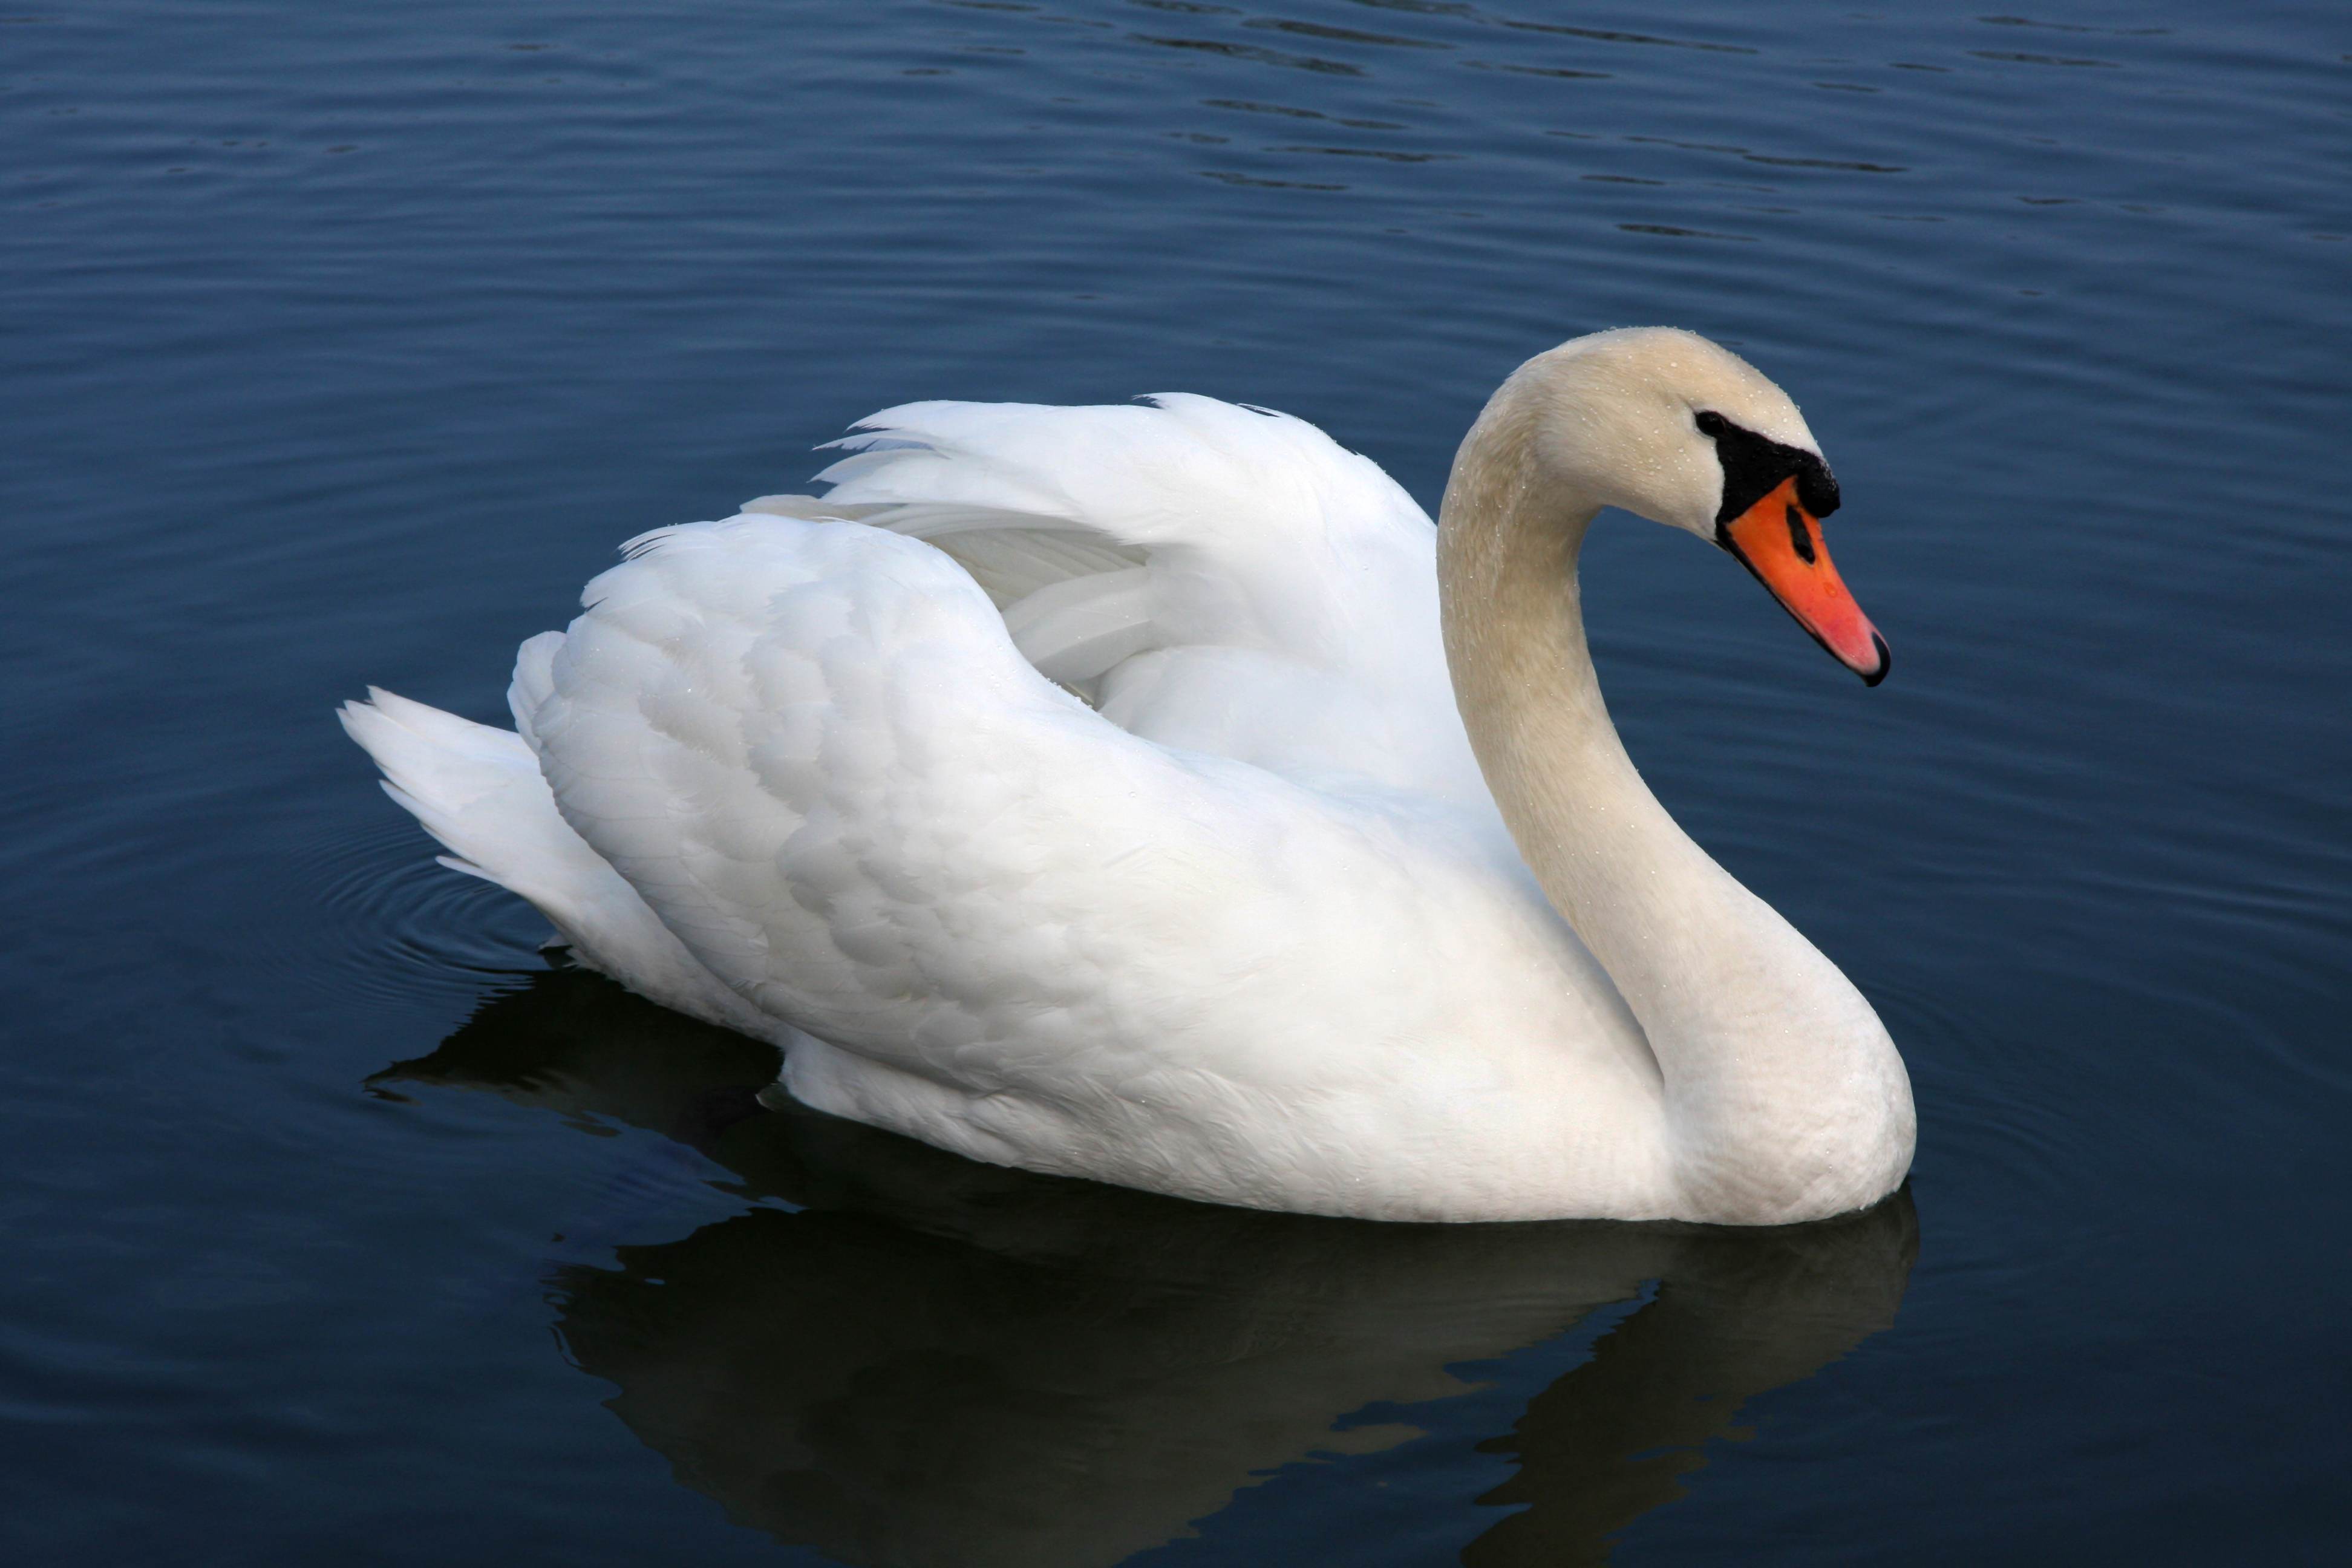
479,791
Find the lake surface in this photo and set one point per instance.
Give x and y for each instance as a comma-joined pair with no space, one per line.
344,344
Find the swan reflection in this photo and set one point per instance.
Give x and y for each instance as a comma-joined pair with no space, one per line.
931,1362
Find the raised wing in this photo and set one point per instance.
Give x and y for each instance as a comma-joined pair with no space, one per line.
1210,576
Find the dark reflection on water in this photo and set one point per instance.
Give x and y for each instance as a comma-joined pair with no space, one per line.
928,1362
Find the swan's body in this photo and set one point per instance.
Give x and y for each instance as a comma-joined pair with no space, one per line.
1230,912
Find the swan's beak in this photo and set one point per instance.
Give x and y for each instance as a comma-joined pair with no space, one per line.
1780,542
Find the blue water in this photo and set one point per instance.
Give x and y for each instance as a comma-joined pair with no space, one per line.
341,343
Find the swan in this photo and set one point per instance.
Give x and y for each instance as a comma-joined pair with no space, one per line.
1150,793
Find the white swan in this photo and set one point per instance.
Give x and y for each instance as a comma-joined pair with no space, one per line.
1081,789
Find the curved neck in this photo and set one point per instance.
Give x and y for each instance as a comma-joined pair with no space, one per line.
1648,901
1758,1038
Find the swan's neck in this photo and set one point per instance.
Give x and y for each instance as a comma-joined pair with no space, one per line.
1783,1091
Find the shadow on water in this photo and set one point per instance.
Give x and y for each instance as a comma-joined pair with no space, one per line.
925,1361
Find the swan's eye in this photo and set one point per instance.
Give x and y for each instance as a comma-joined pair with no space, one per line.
1711,424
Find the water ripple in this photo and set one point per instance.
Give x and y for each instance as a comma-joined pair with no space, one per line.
398,926
1254,54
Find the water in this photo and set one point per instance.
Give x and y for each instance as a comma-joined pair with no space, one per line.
342,345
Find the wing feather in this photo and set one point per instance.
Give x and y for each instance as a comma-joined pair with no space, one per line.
1211,576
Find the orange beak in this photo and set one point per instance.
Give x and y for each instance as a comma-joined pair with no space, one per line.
1780,542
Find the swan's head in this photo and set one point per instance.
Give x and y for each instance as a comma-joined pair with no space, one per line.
1680,430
